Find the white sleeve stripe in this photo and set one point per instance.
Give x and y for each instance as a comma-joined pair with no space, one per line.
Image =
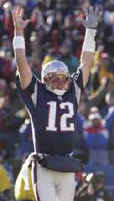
77,92
34,94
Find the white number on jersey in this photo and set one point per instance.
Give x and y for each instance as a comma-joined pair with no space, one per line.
63,119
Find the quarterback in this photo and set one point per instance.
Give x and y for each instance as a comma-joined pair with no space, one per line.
52,104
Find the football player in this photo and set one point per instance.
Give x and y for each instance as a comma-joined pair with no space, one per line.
52,104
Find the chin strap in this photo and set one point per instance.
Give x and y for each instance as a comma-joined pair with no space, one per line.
58,92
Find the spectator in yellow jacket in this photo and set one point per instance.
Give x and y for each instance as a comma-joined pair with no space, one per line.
5,183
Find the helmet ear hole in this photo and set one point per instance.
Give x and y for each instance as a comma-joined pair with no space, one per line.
46,78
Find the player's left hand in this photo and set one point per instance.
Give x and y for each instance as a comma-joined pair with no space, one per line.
2,2
18,21
91,20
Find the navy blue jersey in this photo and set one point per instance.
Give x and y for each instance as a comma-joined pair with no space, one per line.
53,116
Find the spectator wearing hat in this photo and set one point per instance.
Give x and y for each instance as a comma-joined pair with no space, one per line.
110,125
96,137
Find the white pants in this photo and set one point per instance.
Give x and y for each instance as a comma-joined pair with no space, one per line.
53,186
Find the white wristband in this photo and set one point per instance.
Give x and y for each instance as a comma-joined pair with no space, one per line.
18,42
89,40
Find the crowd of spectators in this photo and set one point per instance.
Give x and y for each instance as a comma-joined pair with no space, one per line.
55,31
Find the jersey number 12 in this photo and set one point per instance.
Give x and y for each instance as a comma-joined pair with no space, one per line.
64,126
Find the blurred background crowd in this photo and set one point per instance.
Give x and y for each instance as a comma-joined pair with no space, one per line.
55,31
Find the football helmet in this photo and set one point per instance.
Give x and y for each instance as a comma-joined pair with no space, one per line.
56,76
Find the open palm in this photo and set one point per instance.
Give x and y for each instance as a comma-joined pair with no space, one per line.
92,15
19,22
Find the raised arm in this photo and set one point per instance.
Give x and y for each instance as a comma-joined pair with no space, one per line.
24,70
88,48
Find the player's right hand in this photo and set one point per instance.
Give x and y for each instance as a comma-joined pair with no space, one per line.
2,2
18,21
92,16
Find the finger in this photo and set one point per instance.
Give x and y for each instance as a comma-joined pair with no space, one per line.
91,11
81,17
21,12
2,2
86,11
18,10
96,11
14,14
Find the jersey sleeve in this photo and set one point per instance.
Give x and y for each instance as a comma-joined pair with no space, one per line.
30,94
78,84
78,78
